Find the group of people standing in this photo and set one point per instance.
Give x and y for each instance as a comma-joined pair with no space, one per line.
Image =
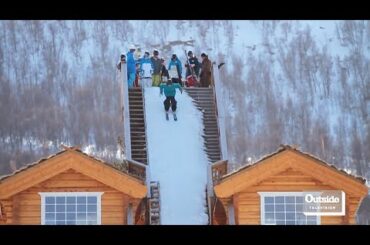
149,71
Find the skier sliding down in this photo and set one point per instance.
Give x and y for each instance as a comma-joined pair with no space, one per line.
170,92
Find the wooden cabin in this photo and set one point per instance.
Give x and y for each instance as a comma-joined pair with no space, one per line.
71,187
270,190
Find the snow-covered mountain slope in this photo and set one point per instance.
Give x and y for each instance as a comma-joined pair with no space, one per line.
294,82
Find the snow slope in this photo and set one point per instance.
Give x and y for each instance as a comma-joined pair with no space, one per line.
177,159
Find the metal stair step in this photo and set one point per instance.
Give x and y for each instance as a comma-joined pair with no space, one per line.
137,128
211,140
138,140
136,123
138,136
138,150
207,135
138,143
210,123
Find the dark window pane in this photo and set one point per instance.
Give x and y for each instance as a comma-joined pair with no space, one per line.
290,207
71,208
81,222
49,200
60,216
92,222
279,199
311,222
290,199
280,216
269,216
50,208
49,222
300,222
91,216
61,200
81,216
311,218
269,208
299,199
71,222
269,200
81,208
91,208
50,216
280,222
290,216
61,208
92,200
279,208
60,222
301,216
290,222
81,200
71,200
71,216
299,208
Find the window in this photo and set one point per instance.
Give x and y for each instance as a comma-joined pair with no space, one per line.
71,208
284,208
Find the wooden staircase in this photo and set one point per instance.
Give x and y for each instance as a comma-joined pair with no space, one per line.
154,204
137,125
205,101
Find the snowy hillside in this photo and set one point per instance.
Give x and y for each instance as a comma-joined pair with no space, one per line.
292,82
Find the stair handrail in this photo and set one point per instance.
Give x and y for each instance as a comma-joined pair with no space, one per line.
146,138
220,112
125,110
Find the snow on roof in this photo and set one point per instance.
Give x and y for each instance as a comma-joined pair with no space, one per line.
289,147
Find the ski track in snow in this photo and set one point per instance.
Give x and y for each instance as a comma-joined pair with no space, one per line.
177,159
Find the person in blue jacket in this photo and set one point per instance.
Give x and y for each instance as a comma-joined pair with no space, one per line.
169,90
175,69
131,67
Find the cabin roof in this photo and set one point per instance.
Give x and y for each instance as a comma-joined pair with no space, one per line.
288,157
30,165
93,167
294,149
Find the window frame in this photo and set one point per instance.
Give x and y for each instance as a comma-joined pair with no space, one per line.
73,194
280,193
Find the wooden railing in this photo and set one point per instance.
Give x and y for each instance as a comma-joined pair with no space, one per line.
137,169
219,169
133,168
